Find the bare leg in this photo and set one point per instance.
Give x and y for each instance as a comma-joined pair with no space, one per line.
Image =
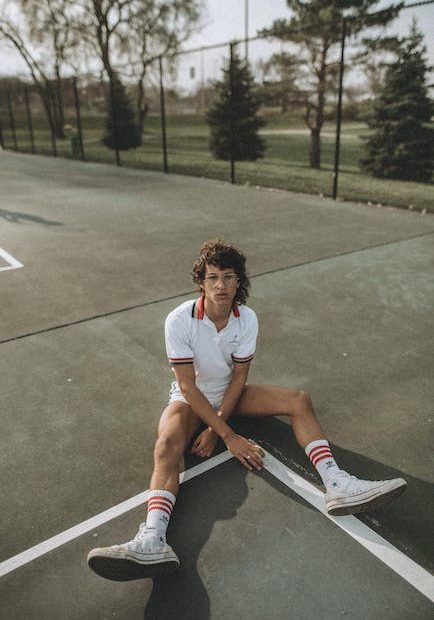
176,428
148,554
270,400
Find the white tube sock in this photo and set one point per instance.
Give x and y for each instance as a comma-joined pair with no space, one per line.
321,457
160,506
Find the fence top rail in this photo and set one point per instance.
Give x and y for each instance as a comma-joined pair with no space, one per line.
348,19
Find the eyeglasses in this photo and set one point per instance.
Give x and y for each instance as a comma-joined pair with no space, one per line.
229,279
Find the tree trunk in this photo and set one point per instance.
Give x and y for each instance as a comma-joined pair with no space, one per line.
57,113
315,129
315,148
142,106
44,93
60,128
53,106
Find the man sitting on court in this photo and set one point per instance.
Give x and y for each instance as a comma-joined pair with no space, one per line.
210,343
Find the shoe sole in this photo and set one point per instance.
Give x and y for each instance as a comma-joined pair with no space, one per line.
124,569
377,501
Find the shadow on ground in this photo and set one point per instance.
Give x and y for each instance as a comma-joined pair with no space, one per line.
183,594
405,523
15,217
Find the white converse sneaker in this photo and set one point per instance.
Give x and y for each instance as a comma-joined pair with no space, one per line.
147,555
347,495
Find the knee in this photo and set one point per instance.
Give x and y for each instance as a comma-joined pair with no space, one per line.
301,403
168,448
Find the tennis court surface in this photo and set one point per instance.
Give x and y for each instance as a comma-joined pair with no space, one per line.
92,259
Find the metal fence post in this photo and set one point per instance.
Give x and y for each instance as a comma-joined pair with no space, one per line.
163,117
51,118
78,117
2,143
232,124
339,111
12,122
29,121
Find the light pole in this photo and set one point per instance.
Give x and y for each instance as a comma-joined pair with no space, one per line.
246,27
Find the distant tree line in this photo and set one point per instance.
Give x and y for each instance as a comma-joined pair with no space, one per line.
57,37
402,146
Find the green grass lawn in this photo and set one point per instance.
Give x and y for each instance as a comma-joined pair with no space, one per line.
285,165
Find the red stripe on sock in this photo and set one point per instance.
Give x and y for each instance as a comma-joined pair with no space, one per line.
317,449
319,452
328,455
319,456
159,498
152,505
160,507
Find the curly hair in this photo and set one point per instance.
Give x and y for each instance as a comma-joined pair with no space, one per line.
224,256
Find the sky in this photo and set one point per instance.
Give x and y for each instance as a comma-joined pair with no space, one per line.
224,20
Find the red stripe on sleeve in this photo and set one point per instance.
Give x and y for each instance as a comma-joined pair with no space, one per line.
243,359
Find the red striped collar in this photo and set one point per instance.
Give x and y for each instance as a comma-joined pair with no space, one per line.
201,308
235,309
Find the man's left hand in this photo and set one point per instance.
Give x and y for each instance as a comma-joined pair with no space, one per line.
205,443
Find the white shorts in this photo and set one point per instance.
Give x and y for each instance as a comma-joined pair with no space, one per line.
214,395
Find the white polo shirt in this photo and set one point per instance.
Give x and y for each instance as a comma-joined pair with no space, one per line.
191,337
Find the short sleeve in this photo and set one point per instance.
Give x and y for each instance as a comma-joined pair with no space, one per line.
247,345
178,346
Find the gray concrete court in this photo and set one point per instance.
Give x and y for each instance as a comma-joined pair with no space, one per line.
344,294
97,239
239,560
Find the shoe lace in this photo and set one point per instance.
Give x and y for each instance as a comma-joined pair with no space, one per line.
357,485
146,536
143,530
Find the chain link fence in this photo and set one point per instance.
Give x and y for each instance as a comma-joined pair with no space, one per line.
304,147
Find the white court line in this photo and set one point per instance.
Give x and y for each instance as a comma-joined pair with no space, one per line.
13,262
90,524
414,574
406,568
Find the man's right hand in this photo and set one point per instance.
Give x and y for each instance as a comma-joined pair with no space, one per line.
246,451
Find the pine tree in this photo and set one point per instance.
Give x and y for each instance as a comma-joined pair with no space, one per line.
402,146
126,132
233,118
